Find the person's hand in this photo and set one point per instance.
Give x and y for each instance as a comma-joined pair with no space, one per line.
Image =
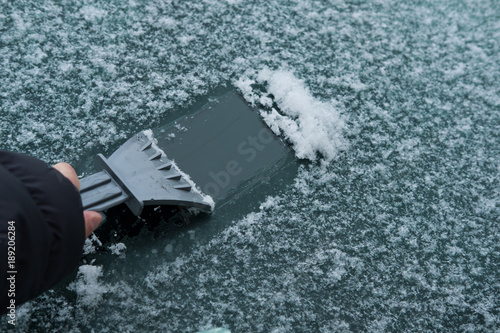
92,219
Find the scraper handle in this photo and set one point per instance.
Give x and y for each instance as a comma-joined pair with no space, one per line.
100,192
138,175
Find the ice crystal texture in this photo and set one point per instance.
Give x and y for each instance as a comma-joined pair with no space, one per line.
396,230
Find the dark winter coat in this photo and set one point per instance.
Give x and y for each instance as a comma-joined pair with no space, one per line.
42,230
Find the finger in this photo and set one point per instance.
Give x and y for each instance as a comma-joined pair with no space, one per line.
68,172
92,221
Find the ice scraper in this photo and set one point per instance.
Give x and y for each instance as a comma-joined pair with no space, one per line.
195,161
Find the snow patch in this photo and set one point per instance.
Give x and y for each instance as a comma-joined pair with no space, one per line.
89,246
87,286
117,248
314,127
91,13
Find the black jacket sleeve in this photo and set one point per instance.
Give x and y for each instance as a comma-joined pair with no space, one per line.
41,223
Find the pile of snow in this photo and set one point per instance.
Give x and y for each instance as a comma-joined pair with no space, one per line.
314,127
90,244
117,248
87,286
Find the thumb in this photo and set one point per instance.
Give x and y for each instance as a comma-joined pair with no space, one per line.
92,221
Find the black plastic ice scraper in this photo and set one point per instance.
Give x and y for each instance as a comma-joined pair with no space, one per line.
194,162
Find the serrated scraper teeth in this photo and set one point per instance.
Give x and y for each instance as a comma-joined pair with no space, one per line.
174,176
146,146
185,187
155,156
165,166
